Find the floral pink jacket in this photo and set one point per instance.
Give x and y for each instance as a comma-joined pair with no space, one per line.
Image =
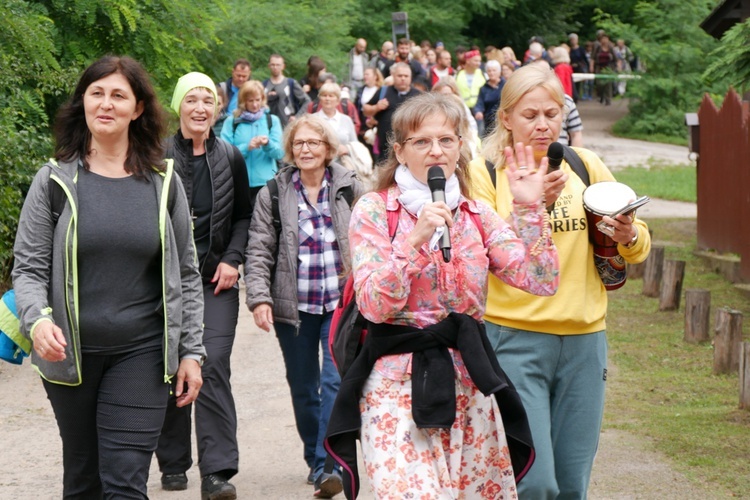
399,284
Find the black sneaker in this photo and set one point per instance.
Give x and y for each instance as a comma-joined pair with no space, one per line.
328,485
174,482
215,487
311,477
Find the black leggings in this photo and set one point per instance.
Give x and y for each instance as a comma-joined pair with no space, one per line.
110,424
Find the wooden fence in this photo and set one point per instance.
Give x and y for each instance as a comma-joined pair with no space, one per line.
724,178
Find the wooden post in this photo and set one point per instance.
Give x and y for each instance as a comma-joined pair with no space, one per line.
727,341
635,271
671,285
652,273
745,376
697,311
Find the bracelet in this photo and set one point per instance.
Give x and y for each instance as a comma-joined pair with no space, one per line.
536,249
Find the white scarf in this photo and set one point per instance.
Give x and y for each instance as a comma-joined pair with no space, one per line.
415,193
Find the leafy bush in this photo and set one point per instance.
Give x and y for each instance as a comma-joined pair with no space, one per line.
731,60
666,36
43,48
30,73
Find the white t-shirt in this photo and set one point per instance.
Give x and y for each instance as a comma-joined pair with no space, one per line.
342,124
358,68
441,73
367,93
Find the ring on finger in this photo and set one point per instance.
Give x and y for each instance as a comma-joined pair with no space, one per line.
523,167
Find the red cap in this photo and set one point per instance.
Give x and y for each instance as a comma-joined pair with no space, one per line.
471,53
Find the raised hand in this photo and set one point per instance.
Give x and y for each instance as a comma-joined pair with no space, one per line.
525,179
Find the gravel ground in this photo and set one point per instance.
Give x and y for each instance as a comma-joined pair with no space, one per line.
272,467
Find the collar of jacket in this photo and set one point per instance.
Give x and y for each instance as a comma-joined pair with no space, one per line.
186,143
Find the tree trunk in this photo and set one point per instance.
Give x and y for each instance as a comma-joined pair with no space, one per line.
727,341
652,273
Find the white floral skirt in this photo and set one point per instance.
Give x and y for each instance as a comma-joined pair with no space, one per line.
468,461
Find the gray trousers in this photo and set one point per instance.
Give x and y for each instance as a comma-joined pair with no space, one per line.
215,413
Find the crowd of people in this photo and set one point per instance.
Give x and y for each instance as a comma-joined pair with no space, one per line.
373,84
483,366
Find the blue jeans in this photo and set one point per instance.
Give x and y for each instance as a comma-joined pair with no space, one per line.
560,379
313,389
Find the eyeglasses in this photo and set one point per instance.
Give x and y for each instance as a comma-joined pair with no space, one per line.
424,144
312,144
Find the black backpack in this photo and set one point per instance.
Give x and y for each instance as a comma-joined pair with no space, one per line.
235,123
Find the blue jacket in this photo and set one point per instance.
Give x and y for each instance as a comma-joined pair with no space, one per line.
260,162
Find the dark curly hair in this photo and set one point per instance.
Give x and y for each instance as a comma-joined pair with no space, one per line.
145,150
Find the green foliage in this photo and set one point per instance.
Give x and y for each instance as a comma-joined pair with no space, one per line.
163,35
43,48
294,29
28,73
666,36
731,59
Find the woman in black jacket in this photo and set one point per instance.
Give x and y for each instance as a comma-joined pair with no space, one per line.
216,185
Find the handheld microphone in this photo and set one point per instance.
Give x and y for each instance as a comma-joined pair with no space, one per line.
436,182
555,153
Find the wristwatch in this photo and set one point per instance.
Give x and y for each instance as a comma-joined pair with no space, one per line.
632,242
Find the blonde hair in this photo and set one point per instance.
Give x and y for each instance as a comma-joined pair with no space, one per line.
521,82
410,116
560,55
495,54
317,125
251,88
446,81
509,54
330,88
378,75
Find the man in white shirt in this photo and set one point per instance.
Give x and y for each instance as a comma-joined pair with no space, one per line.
357,63
442,68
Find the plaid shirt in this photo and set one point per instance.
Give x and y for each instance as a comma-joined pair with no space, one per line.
319,265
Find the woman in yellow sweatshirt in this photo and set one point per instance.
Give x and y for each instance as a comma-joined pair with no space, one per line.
554,349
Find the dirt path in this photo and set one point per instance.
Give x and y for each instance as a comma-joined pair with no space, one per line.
271,464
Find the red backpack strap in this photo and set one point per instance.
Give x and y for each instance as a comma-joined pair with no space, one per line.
393,217
477,220
392,214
